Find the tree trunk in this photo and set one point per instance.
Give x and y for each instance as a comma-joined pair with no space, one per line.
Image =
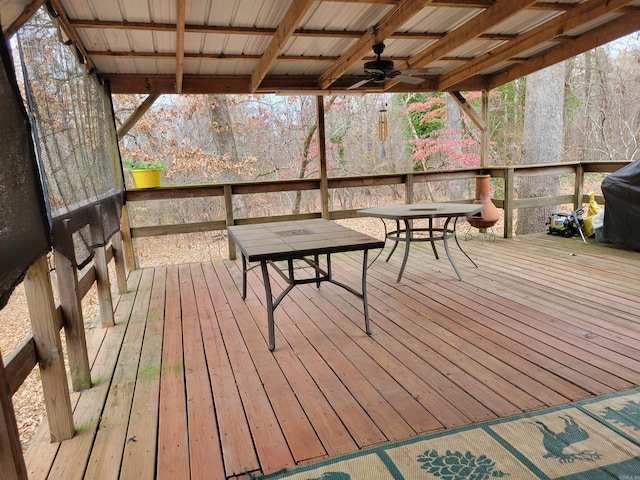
224,143
454,124
542,142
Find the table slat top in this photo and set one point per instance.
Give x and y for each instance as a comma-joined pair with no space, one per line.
297,239
421,210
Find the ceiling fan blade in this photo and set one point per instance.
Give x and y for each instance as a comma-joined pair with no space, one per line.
407,79
423,71
359,84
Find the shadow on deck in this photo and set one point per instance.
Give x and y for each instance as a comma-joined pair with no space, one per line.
185,387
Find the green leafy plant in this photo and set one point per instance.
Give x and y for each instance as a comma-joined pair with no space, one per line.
132,164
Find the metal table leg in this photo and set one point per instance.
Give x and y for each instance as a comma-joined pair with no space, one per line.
367,328
270,321
244,277
458,243
433,243
395,239
445,236
407,243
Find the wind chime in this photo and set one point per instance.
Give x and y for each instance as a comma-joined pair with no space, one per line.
383,130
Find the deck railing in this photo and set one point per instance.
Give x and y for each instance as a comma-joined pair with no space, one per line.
43,345
509,203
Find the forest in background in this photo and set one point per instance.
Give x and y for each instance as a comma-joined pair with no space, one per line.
591,114
228,138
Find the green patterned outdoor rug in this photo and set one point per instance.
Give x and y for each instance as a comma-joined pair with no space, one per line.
593,439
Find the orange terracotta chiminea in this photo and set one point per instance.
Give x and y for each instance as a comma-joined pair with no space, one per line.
489,214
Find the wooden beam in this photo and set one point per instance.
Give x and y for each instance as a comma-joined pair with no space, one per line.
470,30
179,228
555,27
386,26
287,26
509,195
468,109
578,187
23,18
322,157
127,242
254,31
20,363
11,458
71,32
625,24
119,262
247,58
103,285
72,318
42,312
228,208
484,133
240,84
180,14
137,115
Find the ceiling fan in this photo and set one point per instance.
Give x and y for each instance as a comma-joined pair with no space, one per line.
379,70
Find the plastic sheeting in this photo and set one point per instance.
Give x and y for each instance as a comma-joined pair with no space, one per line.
621,191
23,218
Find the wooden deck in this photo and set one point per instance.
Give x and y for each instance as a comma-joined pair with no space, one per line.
185,387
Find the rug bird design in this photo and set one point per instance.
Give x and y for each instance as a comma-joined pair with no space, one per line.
555,442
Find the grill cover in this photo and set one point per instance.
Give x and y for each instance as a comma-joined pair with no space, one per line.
621,191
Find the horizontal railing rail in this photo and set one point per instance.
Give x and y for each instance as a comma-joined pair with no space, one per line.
409,179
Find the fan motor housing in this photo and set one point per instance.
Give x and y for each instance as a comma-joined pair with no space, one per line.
379,66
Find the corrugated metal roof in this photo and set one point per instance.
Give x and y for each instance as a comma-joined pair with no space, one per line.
325,43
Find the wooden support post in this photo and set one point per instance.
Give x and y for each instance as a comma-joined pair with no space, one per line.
105,302
119,262
72,319
127,241
578,187
508,202
228,206
322,155
39,294
11,458
408,189
484,132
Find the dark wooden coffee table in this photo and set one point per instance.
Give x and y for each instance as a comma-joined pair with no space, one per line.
306,241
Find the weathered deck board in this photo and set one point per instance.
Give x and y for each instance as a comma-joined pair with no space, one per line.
138,461
173,435
228,406
195,393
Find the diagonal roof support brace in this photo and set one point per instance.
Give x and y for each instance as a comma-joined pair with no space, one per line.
137,115
468,109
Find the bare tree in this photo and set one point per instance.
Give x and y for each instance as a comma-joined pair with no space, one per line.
542,142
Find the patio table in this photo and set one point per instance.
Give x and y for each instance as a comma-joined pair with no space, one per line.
305,241
409,212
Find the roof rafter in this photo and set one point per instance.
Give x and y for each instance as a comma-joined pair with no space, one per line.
593,38
243,57
548,31
24,17
466,32
389,24
227,30
71,32
180,14
287,26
